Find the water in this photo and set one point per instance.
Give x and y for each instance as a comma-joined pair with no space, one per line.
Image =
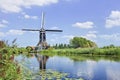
82,70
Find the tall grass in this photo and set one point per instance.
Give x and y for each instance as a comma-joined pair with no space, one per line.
82,54
10,69
83,51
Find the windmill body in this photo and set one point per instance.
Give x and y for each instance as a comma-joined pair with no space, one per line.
42,44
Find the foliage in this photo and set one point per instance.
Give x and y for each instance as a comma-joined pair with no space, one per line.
77,42
84,51
9,70
62,46
9,50
55,75
2,44
29,49
110,46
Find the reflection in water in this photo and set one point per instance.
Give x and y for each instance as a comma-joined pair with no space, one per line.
42,59
87,69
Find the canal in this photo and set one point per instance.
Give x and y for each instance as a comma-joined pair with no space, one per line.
65,68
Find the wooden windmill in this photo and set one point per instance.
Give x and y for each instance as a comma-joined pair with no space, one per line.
42,33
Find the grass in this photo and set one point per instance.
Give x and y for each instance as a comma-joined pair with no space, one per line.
84,51
82,54
10,69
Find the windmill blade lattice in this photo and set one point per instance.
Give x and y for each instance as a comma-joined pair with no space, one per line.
30,30
42,33
54,30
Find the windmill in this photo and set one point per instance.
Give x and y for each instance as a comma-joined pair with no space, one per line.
42,44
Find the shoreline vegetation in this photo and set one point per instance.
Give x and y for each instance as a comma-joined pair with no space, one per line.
96,54
84,51
79,49
80,54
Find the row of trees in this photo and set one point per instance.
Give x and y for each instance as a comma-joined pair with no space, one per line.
76,42
110,46
62,46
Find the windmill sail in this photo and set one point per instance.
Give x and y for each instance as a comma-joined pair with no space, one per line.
42,21
30,29
42,33
53,30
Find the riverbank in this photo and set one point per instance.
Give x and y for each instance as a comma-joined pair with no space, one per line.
84,51
82,54
79,54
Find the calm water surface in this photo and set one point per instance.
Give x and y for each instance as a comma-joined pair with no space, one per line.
87,69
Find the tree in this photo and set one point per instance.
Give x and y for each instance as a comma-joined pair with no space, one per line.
110,46
29,48
55,46
61,46
81,42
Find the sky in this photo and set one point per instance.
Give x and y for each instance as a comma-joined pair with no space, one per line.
96,20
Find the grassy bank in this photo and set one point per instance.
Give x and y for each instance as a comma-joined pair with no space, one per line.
12,71
84,51
83,54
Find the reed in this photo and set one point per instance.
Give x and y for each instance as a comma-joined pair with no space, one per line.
83,51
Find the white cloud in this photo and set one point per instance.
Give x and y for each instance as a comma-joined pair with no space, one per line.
92,32
113,20
15,32
3,23
17,5
54,28
34,17
115,36
10,5
26,16
84,25
12,32
89,36
61,39
68,36
30,17
2,34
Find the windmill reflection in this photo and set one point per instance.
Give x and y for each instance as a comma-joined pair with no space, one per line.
42,61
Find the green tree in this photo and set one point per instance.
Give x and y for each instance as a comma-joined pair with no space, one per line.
81,42
29,49
110,46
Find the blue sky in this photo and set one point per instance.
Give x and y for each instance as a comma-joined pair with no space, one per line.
97,20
